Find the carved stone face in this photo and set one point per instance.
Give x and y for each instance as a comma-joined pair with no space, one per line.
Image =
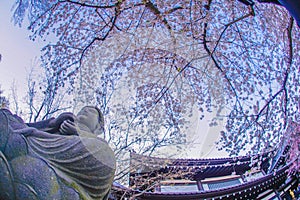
88,116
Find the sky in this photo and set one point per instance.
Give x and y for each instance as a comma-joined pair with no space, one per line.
18,52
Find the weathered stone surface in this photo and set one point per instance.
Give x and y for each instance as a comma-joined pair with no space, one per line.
34,173
25,192
16,146
4,132
68,192
6,182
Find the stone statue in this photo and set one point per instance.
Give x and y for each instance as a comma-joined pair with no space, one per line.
58,158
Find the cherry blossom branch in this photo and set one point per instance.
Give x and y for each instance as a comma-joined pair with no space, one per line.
92,5
210,53
286,75
113,21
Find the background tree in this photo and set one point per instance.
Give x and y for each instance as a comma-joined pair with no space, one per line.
43,99
252,49
4,103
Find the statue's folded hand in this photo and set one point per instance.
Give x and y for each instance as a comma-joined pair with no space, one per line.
68,127
57,122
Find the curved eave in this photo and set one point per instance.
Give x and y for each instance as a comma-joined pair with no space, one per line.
246,190
200,167
199,162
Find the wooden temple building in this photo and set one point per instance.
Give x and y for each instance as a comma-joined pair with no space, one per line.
262,176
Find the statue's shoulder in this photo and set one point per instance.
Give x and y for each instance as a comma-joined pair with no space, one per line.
13,120
9,116
4,128
4,111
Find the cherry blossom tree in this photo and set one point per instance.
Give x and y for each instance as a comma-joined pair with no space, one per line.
248,69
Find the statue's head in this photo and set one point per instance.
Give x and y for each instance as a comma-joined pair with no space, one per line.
92,118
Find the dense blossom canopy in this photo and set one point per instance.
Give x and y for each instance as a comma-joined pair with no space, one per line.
248,68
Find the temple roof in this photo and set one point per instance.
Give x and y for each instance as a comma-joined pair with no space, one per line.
205,171
249,190
208,166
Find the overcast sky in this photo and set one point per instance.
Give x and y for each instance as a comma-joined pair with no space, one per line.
18,52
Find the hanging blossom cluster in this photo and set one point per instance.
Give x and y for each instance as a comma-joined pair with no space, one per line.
161,87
